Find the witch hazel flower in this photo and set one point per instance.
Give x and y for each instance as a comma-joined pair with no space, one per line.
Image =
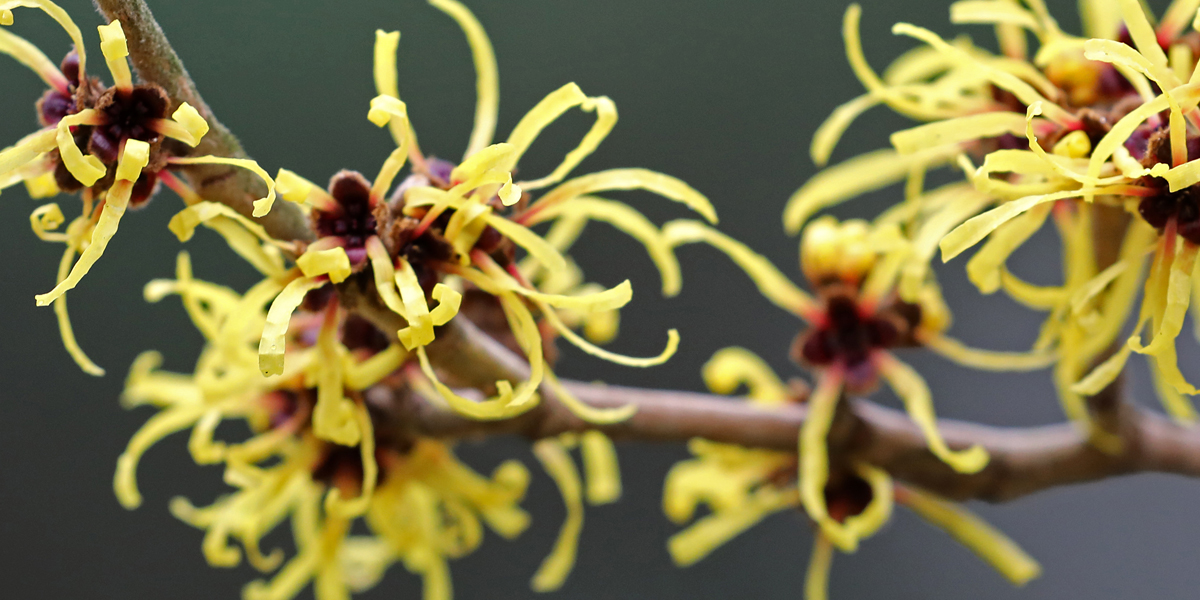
743,486
109,143
855,322
450,229
1139,158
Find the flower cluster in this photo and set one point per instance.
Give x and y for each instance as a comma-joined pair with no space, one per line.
449,230
856,319
420,504
1094,132
130,144
316,356
743,486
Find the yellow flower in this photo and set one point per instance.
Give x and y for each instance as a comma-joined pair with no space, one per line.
743,486
854,322
122,128
319,456
467,221
1077,121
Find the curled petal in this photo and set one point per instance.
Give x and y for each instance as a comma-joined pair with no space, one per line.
58,14
987,542
816,581
87,169
732,367
602,474
262,206
185,125
623,217
814,460
29,55
771,283
988,359
955,131
558,564
386,44
591,414
334,503
487,78
332,262
854,177
132,161
272,345
911,388
115,50
629,179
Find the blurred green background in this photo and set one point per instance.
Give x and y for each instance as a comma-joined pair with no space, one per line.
724,95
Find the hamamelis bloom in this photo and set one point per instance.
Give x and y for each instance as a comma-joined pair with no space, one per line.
744,486
1142,160
319,456
122,128
975,102
854,322
421,505
470,220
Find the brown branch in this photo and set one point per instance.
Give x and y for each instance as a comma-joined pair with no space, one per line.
156,62
1023,460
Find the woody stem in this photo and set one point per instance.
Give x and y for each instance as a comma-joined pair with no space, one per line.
1023,460
156,62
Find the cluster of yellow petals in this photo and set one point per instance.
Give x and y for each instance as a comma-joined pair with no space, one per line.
422,507
742,487
29,160
953,85
546,279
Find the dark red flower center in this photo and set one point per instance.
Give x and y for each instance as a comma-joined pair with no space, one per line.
847,335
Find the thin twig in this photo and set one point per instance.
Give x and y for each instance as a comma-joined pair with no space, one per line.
1023,460
156,62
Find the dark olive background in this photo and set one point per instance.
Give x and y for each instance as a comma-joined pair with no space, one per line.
724,95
